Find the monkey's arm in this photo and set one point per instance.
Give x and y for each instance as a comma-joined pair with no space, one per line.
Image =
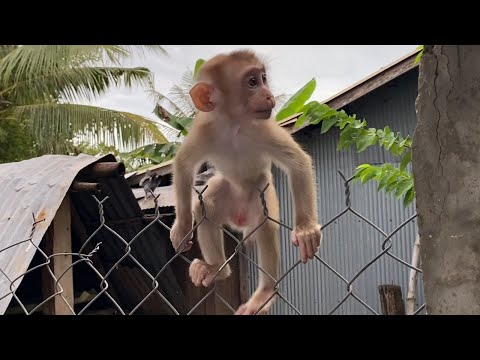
183,168
288,154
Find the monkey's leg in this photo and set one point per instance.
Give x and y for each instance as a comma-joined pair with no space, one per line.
210,236
268,247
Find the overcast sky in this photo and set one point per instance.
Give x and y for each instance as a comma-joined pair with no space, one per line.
335,67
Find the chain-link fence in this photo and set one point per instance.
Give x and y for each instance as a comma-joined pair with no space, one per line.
91,246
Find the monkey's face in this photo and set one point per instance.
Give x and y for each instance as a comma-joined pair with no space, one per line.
258,98
247,94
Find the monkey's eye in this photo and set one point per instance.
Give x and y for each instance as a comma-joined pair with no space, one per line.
264,78
252,81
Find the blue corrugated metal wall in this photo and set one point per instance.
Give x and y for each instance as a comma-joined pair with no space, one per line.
350,243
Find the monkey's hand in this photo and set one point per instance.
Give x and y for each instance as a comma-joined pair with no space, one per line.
307,237
181,239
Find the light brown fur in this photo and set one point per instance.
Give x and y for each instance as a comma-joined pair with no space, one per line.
234,130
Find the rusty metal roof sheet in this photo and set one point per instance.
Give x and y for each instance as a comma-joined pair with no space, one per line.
28,189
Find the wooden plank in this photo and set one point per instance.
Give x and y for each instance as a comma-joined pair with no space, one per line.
59,241
391,300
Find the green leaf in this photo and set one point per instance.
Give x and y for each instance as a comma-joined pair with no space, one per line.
307,111
394,149
360,169
368,174
391,182
357,124
409,197
363,166
322,112
198,64
403,186
365,138
405,160
296,102
383,182
418,57
346,137
328,123
388,139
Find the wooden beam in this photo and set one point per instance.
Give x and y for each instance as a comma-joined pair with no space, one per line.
391,300
58,240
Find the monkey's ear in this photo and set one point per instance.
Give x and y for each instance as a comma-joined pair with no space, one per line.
200,94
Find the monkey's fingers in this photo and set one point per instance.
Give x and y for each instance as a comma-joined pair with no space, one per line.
294,238
318,235
310,244
303,250
188,245
244,310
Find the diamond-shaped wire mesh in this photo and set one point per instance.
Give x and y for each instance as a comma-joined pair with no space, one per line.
82,256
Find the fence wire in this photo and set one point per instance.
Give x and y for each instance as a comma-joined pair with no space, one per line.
82,256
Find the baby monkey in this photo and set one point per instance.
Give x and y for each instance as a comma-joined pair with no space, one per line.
235,131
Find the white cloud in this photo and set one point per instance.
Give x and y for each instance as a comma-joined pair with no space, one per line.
335,67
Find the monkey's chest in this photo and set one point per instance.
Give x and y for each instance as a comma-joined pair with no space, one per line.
240,163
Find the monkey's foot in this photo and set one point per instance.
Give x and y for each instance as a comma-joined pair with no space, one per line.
202,273
257,300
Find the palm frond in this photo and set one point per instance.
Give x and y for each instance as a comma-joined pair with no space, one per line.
6,49
30,61
74,84
159,99
52,124
180,94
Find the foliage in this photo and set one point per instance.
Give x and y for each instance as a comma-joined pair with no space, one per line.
420,54
355,132
39,83
16,142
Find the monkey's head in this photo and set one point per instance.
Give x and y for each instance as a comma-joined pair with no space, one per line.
235,85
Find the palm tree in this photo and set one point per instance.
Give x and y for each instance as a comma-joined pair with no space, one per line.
41,83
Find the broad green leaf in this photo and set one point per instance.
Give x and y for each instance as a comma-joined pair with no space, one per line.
307,111
363,166
344,119
328,123
368,174
360,169
405,160
198,64
357,124
296,102
388,139
322,112
383,182
365,138
403,186
418,57
346,137
409,197
391,182
394,149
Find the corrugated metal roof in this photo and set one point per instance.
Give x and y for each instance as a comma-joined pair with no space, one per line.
152,249
36,186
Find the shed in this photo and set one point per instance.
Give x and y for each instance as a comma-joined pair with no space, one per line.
62,253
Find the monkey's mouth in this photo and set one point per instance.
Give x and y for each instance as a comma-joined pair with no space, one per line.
264,114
